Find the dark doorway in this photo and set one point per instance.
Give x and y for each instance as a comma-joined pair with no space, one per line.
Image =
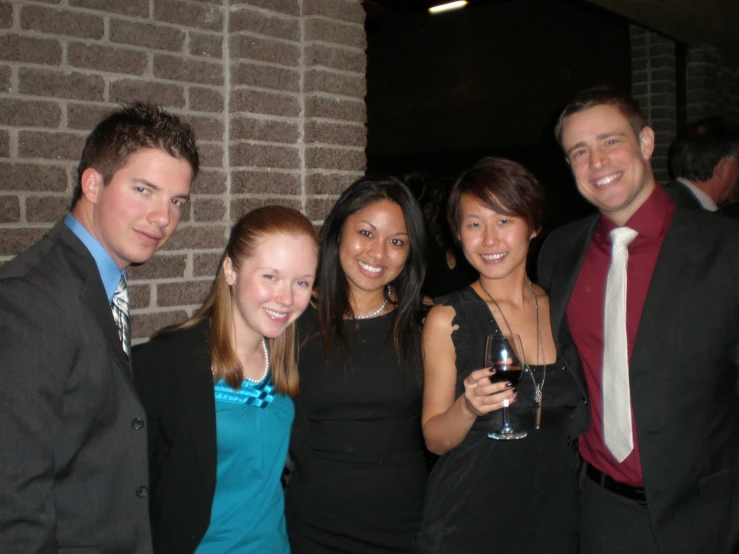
445,90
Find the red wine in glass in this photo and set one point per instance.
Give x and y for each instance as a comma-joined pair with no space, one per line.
504,353
506,372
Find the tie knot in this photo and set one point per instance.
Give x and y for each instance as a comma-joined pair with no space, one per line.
621,237
121,286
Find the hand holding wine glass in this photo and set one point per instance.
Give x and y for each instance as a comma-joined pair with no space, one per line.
483,393
504,353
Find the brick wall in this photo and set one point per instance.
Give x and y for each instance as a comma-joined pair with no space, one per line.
274,89
711,87
713,84
653,65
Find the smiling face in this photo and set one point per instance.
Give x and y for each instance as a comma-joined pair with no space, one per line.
496,245
272,287
374,247
611,167
139,209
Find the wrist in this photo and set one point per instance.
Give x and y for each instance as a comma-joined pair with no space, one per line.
468,410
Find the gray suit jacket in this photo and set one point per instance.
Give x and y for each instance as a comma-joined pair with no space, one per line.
683,373
73,467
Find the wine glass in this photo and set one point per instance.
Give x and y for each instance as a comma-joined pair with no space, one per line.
504,353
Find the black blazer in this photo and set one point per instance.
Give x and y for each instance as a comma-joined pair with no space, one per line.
175,383
73,469
683,373
678,189
731,210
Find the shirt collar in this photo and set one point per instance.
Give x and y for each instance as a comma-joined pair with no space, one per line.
109,272
703,199
650,220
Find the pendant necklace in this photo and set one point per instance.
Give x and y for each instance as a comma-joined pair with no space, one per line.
538,387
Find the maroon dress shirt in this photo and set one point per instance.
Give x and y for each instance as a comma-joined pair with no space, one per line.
585,313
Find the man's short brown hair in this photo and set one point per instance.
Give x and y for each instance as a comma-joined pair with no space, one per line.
129,129
603,95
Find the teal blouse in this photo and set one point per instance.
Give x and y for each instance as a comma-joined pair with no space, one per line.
252,436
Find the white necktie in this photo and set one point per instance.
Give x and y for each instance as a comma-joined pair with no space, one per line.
120,315
617,431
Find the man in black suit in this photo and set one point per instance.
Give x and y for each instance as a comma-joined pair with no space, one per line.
704,161
731,210
670,483
73,467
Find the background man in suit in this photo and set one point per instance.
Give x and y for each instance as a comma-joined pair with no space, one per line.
704,161
661,472
73,467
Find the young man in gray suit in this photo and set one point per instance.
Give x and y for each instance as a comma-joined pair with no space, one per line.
73,466
650,328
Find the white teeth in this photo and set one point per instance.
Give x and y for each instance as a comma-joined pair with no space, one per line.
274,314
370,268
491,257
607,180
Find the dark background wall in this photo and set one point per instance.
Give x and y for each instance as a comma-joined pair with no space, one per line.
445,90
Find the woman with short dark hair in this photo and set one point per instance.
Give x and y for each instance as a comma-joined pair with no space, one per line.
359,467
488,495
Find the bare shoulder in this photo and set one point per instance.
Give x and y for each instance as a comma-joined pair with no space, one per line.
440,318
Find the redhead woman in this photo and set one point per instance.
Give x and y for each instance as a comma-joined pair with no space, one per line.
359,475
488,495
217,391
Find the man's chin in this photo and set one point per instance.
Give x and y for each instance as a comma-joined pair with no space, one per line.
142,257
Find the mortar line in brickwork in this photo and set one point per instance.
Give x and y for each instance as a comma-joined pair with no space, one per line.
227,110
301,122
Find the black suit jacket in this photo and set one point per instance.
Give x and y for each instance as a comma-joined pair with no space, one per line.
677,189
73,470
731,210
175,382
683,373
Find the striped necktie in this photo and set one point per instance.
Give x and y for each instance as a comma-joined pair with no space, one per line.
120,314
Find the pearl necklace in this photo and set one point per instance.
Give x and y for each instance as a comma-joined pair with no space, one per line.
266,364
378,311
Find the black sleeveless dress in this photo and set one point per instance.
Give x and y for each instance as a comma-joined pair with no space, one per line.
487,496
359,471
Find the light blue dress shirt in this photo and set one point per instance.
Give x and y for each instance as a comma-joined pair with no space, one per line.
108,269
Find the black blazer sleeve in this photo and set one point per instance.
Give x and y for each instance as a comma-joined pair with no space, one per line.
155,382
174,380
34,348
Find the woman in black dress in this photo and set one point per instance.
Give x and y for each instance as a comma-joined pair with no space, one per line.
489,495
359,470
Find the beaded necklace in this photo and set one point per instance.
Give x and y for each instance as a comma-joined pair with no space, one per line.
266,364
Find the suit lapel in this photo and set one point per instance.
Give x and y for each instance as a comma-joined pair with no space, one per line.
677,255
95,300
563,283
92,294
565,275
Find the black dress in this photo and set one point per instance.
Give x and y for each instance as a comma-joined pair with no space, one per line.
488,496
359,470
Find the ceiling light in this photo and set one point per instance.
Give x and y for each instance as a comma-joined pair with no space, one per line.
448,6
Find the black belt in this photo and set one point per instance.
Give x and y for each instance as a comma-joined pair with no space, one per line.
621,489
